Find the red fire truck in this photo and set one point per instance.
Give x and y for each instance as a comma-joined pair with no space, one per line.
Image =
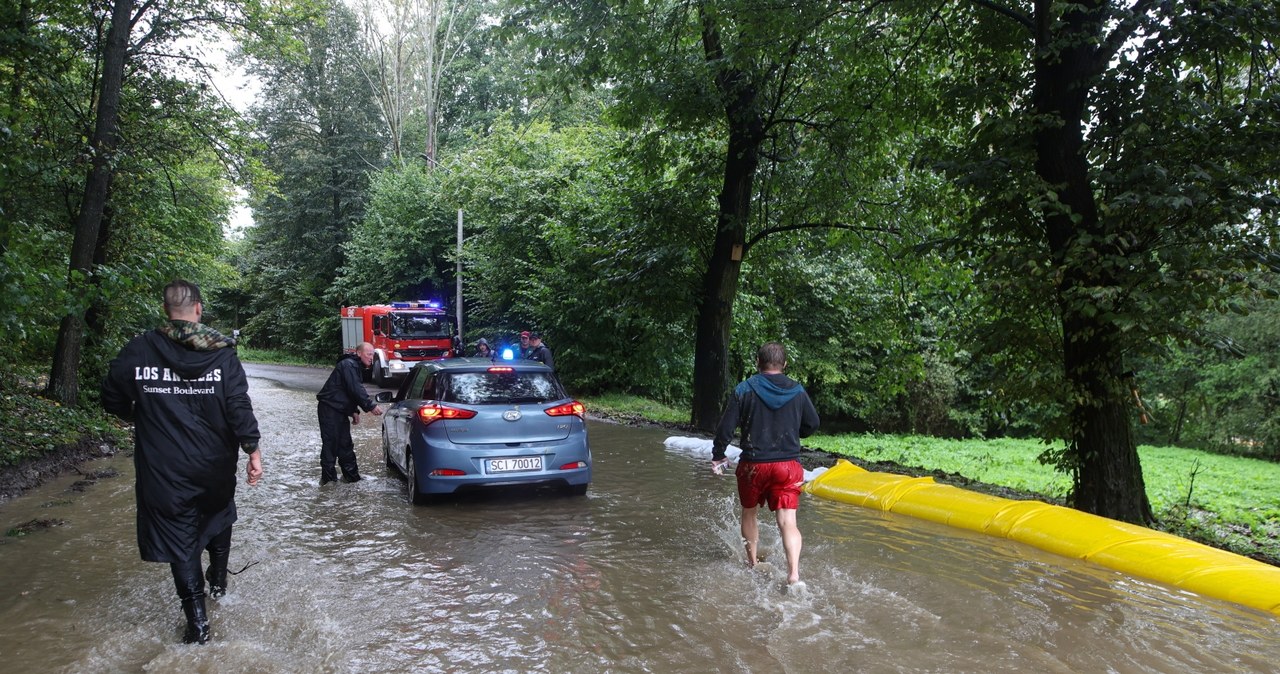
402,333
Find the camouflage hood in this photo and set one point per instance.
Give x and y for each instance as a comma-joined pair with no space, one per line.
196,336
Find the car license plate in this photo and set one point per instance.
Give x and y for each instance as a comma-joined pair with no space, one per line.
516,464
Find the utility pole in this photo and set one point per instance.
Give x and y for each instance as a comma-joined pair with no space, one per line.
458,303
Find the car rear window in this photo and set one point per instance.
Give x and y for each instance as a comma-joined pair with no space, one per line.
485,388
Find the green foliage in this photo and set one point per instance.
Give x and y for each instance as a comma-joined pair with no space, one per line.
821,105
274,357
32,277
404,248
169,191
321,138
1170,204
1220,390
1001,461
910,301
33,426
565,236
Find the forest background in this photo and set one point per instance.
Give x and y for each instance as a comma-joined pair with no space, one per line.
964,219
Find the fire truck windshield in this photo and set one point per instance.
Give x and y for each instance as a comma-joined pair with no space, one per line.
420,326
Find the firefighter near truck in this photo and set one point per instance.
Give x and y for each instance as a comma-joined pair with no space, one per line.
402,334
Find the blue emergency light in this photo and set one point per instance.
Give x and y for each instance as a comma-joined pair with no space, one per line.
508,354
420,304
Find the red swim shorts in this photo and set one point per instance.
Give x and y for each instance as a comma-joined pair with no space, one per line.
776,483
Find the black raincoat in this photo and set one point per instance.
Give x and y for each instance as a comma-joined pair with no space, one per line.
190,405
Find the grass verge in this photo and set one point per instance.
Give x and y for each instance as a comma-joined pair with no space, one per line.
1224,501
625,407
271,357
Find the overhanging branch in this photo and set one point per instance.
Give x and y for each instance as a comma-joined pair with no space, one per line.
1021,18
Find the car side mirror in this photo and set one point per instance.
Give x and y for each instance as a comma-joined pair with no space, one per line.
383,397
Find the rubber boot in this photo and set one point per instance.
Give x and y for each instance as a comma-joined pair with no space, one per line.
190,586
197,620
219,552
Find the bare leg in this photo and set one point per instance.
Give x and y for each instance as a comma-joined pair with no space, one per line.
791,542
750,534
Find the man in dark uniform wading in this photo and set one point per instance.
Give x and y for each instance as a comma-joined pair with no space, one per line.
184,388
341,399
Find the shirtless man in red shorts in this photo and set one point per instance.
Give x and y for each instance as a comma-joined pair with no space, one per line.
774,412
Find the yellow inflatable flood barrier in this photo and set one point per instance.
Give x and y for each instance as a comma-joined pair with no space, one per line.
1132,549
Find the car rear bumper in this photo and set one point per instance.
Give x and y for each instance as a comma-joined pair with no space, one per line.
434,454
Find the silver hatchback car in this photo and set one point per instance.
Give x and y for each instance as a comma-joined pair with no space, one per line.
472,423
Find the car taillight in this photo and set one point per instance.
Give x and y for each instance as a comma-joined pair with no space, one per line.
447,472
500,368
574,465
435,412
575,408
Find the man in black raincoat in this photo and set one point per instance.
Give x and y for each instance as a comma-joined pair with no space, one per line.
340,401
184,388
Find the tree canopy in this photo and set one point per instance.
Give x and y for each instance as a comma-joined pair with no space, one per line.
966,218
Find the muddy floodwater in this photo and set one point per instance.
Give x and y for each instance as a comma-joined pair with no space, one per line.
644,574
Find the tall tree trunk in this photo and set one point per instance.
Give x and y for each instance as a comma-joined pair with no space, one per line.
64,379
95,318
720,284
1176,437
1107,472
1108,477
430,154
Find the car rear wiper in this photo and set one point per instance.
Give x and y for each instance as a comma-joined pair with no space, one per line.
526,400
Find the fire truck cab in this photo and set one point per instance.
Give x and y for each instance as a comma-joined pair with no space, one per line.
402,333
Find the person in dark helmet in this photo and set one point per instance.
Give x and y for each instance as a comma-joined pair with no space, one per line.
340,401
774,412
184,389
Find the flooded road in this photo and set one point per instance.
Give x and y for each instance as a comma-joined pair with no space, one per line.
644,574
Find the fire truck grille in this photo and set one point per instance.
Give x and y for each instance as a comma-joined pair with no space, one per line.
421,353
